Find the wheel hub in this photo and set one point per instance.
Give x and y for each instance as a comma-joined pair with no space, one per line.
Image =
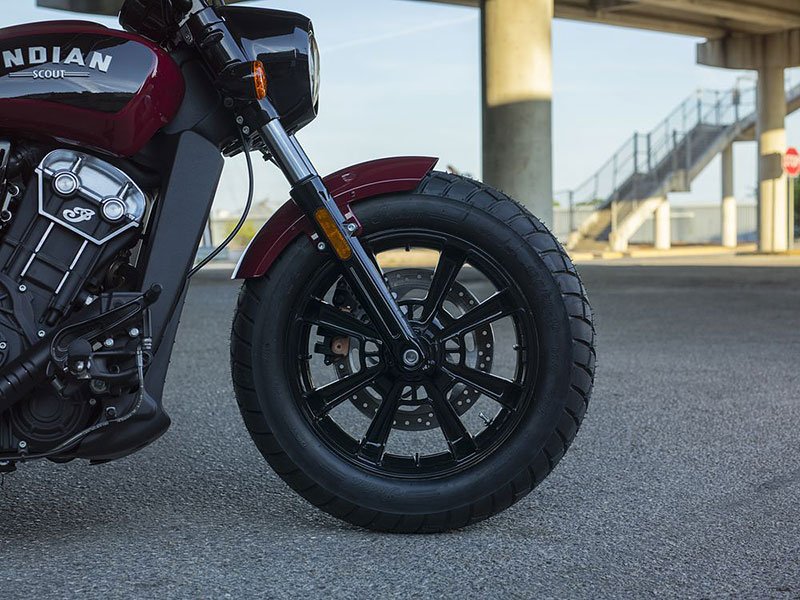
411,359
415,413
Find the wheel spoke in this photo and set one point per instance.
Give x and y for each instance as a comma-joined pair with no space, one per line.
493,308
501,390
325,399
326,315
374,443
458,438
451,260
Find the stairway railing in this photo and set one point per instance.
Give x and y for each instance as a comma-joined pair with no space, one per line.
642,156
640,161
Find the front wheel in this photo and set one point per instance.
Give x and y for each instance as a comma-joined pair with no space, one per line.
503,315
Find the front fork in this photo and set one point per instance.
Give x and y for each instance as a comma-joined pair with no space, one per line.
213,39
359,270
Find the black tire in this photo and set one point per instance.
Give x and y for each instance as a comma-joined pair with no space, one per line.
564,379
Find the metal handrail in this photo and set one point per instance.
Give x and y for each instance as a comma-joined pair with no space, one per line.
647,159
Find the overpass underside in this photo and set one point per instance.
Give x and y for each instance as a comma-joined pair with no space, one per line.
761,35
700,18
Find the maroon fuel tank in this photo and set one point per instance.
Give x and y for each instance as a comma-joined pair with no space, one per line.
82,83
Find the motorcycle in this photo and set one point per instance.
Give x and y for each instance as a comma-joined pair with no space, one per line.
412,351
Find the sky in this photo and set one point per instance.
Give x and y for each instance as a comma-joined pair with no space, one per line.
403,78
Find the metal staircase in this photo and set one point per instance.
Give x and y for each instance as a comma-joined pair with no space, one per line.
636,180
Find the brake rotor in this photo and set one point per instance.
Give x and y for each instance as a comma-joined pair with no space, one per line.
414,414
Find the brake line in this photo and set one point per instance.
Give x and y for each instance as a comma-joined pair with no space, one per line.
242,221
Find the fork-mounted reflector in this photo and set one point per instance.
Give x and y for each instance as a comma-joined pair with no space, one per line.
335,237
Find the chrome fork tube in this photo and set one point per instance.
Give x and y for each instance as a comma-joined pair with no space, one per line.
302,153
287,152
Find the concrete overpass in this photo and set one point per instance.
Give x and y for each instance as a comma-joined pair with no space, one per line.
761,35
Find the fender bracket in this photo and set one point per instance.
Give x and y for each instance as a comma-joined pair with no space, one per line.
348,186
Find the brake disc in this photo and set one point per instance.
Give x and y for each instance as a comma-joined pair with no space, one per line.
411,287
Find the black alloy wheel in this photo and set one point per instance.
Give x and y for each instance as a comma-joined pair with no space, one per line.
401,390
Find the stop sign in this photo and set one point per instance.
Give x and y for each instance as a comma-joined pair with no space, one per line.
791,162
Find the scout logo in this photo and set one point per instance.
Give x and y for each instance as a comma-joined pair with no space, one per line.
39,55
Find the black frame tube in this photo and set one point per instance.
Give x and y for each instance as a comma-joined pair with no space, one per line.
176,230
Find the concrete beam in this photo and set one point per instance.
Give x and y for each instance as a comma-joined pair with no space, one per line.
517,99
773,50
628,18
732,9
612,5
623,14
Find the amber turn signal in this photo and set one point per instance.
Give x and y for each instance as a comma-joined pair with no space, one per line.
259,79
244,81
335,237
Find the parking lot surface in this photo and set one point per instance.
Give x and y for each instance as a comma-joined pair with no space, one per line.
682,483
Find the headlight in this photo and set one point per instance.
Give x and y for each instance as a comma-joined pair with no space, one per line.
284,43
313,67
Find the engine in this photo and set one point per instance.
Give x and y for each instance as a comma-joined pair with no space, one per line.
66,226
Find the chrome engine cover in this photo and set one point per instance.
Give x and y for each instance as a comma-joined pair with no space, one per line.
88,196
79,213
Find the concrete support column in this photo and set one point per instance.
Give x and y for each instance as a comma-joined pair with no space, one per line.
729,231
517,98
663,226
769,54
773,201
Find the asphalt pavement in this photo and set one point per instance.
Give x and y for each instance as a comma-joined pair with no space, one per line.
683,482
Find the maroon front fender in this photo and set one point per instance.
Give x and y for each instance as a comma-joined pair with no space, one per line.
348,186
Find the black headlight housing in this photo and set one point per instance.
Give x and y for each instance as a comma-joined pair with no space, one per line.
284,42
